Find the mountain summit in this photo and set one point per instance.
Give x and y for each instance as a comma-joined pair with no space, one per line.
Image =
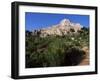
63,28
65,22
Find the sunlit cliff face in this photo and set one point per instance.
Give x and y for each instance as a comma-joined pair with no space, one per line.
63,28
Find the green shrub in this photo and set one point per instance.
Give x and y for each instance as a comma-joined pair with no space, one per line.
55,50
74,56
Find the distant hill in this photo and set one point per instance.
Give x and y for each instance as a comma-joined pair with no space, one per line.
63,28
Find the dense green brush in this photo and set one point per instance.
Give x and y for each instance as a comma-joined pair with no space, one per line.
56,50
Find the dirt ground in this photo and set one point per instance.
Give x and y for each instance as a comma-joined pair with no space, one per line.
86,60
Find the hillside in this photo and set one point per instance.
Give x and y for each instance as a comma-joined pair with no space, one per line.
64,27
49,48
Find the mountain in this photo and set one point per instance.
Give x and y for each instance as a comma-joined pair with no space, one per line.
63,28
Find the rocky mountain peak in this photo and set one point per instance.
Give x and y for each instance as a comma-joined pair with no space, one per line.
62,28
65,22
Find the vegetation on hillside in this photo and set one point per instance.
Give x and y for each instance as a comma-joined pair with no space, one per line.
56,50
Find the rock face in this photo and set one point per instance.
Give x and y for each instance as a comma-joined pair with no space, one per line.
63,28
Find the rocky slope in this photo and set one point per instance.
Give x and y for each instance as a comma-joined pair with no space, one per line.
63,28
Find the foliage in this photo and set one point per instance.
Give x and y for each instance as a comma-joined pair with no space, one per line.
56,50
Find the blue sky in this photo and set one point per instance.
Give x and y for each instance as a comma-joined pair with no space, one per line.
42,20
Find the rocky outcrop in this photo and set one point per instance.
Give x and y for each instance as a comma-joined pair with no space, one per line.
63,28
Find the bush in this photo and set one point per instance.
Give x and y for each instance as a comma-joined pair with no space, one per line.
74,56
55,50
